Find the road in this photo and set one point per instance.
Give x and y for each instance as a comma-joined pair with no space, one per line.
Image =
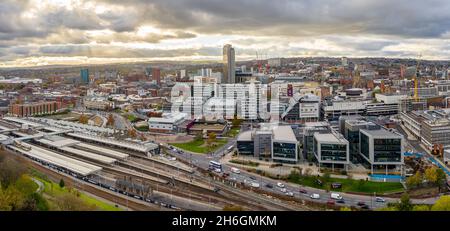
202,161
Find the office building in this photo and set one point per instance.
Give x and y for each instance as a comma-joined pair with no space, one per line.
382,151
302,109
277,143
331,150
229,71
84,75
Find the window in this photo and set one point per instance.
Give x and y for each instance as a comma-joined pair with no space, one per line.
365,145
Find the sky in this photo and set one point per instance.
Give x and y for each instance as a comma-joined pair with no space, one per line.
51,32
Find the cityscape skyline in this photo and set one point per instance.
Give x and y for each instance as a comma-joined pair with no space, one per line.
58,32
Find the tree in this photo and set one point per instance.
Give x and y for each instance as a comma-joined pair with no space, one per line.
61,183
431,175
421,208
347,209
415,180
132,133
212,137
236,122
405,203
111,120
83,119
443,204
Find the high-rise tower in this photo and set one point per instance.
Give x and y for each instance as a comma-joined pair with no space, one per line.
229,74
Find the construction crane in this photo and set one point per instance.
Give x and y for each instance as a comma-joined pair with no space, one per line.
416,81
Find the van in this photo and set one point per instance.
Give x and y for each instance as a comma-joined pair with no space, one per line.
254,185
315,196
235,170
336,196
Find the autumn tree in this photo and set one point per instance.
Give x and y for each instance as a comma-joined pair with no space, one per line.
442,204
435,176
132,133
83,119
415,180
111,120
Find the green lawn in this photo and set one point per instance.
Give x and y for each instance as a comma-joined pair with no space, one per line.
53,188
198,146
349,185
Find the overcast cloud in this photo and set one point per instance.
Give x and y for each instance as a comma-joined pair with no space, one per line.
52,30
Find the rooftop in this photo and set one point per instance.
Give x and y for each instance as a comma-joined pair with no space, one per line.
330,138
284,133
381,133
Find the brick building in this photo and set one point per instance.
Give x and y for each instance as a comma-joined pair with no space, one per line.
34,108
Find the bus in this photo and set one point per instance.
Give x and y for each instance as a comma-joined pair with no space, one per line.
216,166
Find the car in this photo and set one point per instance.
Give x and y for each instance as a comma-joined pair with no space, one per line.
303,191
341,201
254,185
225,174
291,194
315,196
283,190
232,179
330,202
217,170
269,186
319,182
365,207
281,185
336,185
235,170
380,199
361,203
252,177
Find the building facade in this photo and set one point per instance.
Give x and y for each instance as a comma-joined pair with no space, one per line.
229,72
35,108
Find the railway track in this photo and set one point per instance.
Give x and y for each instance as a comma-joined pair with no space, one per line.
83,186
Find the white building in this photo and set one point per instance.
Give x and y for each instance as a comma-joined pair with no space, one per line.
168,123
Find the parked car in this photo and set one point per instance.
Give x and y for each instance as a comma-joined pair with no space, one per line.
269,186
330,202
303,191
341,201
281,185
291,194
380,199
283,190
319,182
315,196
